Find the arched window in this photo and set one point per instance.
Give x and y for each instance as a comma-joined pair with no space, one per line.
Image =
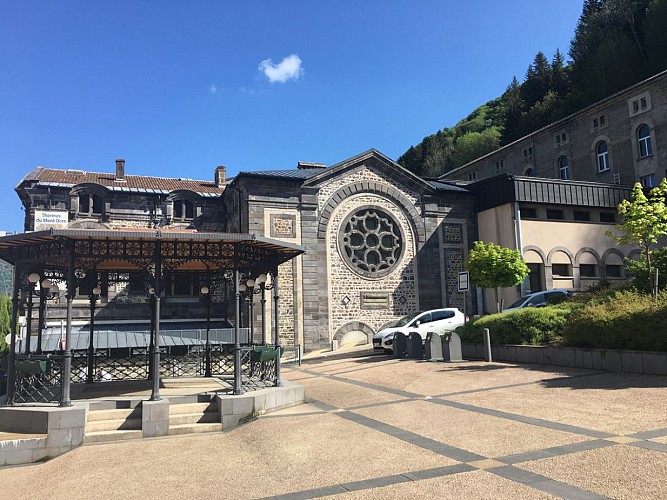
90,204
183,210
564,168
603,156
529,172
644,141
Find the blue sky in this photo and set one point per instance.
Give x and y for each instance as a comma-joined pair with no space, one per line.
179,87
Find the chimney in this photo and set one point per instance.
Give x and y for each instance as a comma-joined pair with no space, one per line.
220,176
120,170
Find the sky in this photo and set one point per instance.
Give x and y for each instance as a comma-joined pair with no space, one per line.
177,88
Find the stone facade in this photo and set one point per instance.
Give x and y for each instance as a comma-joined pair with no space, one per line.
574,148
323,296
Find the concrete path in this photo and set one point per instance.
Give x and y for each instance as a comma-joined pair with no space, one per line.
375,427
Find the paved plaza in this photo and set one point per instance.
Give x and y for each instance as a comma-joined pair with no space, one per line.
376,427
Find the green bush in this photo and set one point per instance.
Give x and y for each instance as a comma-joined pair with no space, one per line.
528,326
623,319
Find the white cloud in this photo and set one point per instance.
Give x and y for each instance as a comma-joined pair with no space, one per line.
288,69
213,89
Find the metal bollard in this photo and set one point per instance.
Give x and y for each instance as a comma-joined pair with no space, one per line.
487,345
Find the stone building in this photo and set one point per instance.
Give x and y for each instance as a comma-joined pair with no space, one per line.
380,242
619,140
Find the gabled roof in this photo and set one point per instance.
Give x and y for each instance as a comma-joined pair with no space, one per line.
393,169
132,183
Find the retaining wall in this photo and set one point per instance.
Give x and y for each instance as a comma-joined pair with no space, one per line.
649,363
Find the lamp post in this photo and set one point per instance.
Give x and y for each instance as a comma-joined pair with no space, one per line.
207,363
250,283
261,279
91,350
32,281
242,289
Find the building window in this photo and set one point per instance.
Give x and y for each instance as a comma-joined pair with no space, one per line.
607,217
561,270
472,176
371,242
587,270
183,210
528,152
90,204
500,166
563,168
639,104
602,156
644,141
613,270
595,123
555,214
602,120
528,213
581,215
530,172
648,181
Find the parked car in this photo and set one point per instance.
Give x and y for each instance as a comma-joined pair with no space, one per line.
540,299
435,320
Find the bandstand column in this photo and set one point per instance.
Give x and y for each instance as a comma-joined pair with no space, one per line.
238,388
65,399
155,392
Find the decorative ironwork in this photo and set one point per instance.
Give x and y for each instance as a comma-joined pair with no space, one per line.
38,379
371,242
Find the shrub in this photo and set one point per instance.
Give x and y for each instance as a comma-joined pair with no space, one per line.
624,319
531,326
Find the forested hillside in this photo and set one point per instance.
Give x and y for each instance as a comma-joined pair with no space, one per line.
616,43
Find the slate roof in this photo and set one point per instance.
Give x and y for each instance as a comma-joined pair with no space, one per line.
285,174
444,186
132,183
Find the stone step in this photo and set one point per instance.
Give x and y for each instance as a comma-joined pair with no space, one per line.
113,425
194,418
175,430
179,409
109,436
123,413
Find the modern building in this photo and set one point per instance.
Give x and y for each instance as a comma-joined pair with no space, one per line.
559,226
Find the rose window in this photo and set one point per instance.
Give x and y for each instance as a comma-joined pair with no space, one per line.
371,242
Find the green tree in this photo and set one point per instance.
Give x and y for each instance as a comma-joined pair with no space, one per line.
644,220
5,320
656,35
493,266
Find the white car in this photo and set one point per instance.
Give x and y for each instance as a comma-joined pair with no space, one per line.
435,320
540,299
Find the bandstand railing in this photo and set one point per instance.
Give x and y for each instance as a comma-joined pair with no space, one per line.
39,378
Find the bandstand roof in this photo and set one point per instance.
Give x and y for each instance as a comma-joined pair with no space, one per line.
135,249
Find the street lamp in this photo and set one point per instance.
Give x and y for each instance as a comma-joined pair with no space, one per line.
261,279
91,351
250,283
207,366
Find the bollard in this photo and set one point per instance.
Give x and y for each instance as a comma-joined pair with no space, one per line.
487,345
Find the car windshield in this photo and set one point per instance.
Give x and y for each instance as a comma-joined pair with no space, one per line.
517,303
406,319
